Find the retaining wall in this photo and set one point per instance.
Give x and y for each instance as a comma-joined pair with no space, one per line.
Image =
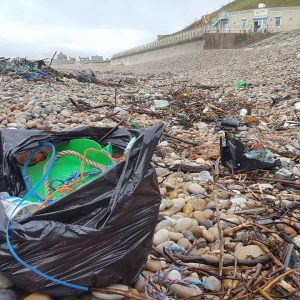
232,40
167,46
191,41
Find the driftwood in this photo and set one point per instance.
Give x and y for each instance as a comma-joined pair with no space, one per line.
82,106
204,87
145,112
111,131
182,140
291,183
188,168
227,262
52,59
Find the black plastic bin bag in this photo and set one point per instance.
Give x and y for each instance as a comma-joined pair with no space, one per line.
96,236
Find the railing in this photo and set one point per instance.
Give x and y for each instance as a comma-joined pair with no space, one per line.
182,37
165,41
221,16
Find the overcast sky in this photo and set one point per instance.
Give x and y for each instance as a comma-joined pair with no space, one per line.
37,28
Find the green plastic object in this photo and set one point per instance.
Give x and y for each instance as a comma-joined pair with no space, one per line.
239,84
135,125
67,165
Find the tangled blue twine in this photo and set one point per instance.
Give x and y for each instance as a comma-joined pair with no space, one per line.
162,278
72,178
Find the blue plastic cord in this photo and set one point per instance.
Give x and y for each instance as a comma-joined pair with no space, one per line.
25,167
29,187
29,159
30,193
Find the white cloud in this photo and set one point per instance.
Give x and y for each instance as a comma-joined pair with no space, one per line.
35,28
73,41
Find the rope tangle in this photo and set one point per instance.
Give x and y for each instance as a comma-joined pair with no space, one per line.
161,278
68,187
74,178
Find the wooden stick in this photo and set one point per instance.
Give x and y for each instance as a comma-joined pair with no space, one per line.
288,287
227,296
227,262
221,237
268,285
268,252
188,168
255,275
286,182
231,231
265,295
112,130
115,97
204,87
146,112
52,59
181,140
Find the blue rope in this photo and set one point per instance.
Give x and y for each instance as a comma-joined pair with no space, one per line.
71,178
30,193
28,184
29,159
199,283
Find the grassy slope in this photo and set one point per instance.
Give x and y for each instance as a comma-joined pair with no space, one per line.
251,4
243,5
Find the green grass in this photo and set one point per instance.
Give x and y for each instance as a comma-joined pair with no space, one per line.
251,4
242,5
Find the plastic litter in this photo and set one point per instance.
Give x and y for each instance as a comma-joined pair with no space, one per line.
98,235
38,70
119,111
175,249
205,176
292,259
239,84
87,76
297,106
260,153
21,67
287,124
233,156
130,144
163,104
161,278
70,159
10,204
243,112
135,125
227,124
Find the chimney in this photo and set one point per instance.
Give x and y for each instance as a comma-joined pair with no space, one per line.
262,4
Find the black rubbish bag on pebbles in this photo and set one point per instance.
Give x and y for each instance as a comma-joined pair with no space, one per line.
96,236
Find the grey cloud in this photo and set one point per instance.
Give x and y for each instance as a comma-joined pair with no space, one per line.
145,15
149,17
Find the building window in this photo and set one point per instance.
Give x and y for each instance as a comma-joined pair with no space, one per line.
277,21
244,24
264,23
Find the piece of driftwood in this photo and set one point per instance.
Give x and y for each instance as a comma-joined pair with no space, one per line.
188,168
227,262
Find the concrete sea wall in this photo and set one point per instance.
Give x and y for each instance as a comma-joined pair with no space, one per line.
167,46
155,54
232,40
191,41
